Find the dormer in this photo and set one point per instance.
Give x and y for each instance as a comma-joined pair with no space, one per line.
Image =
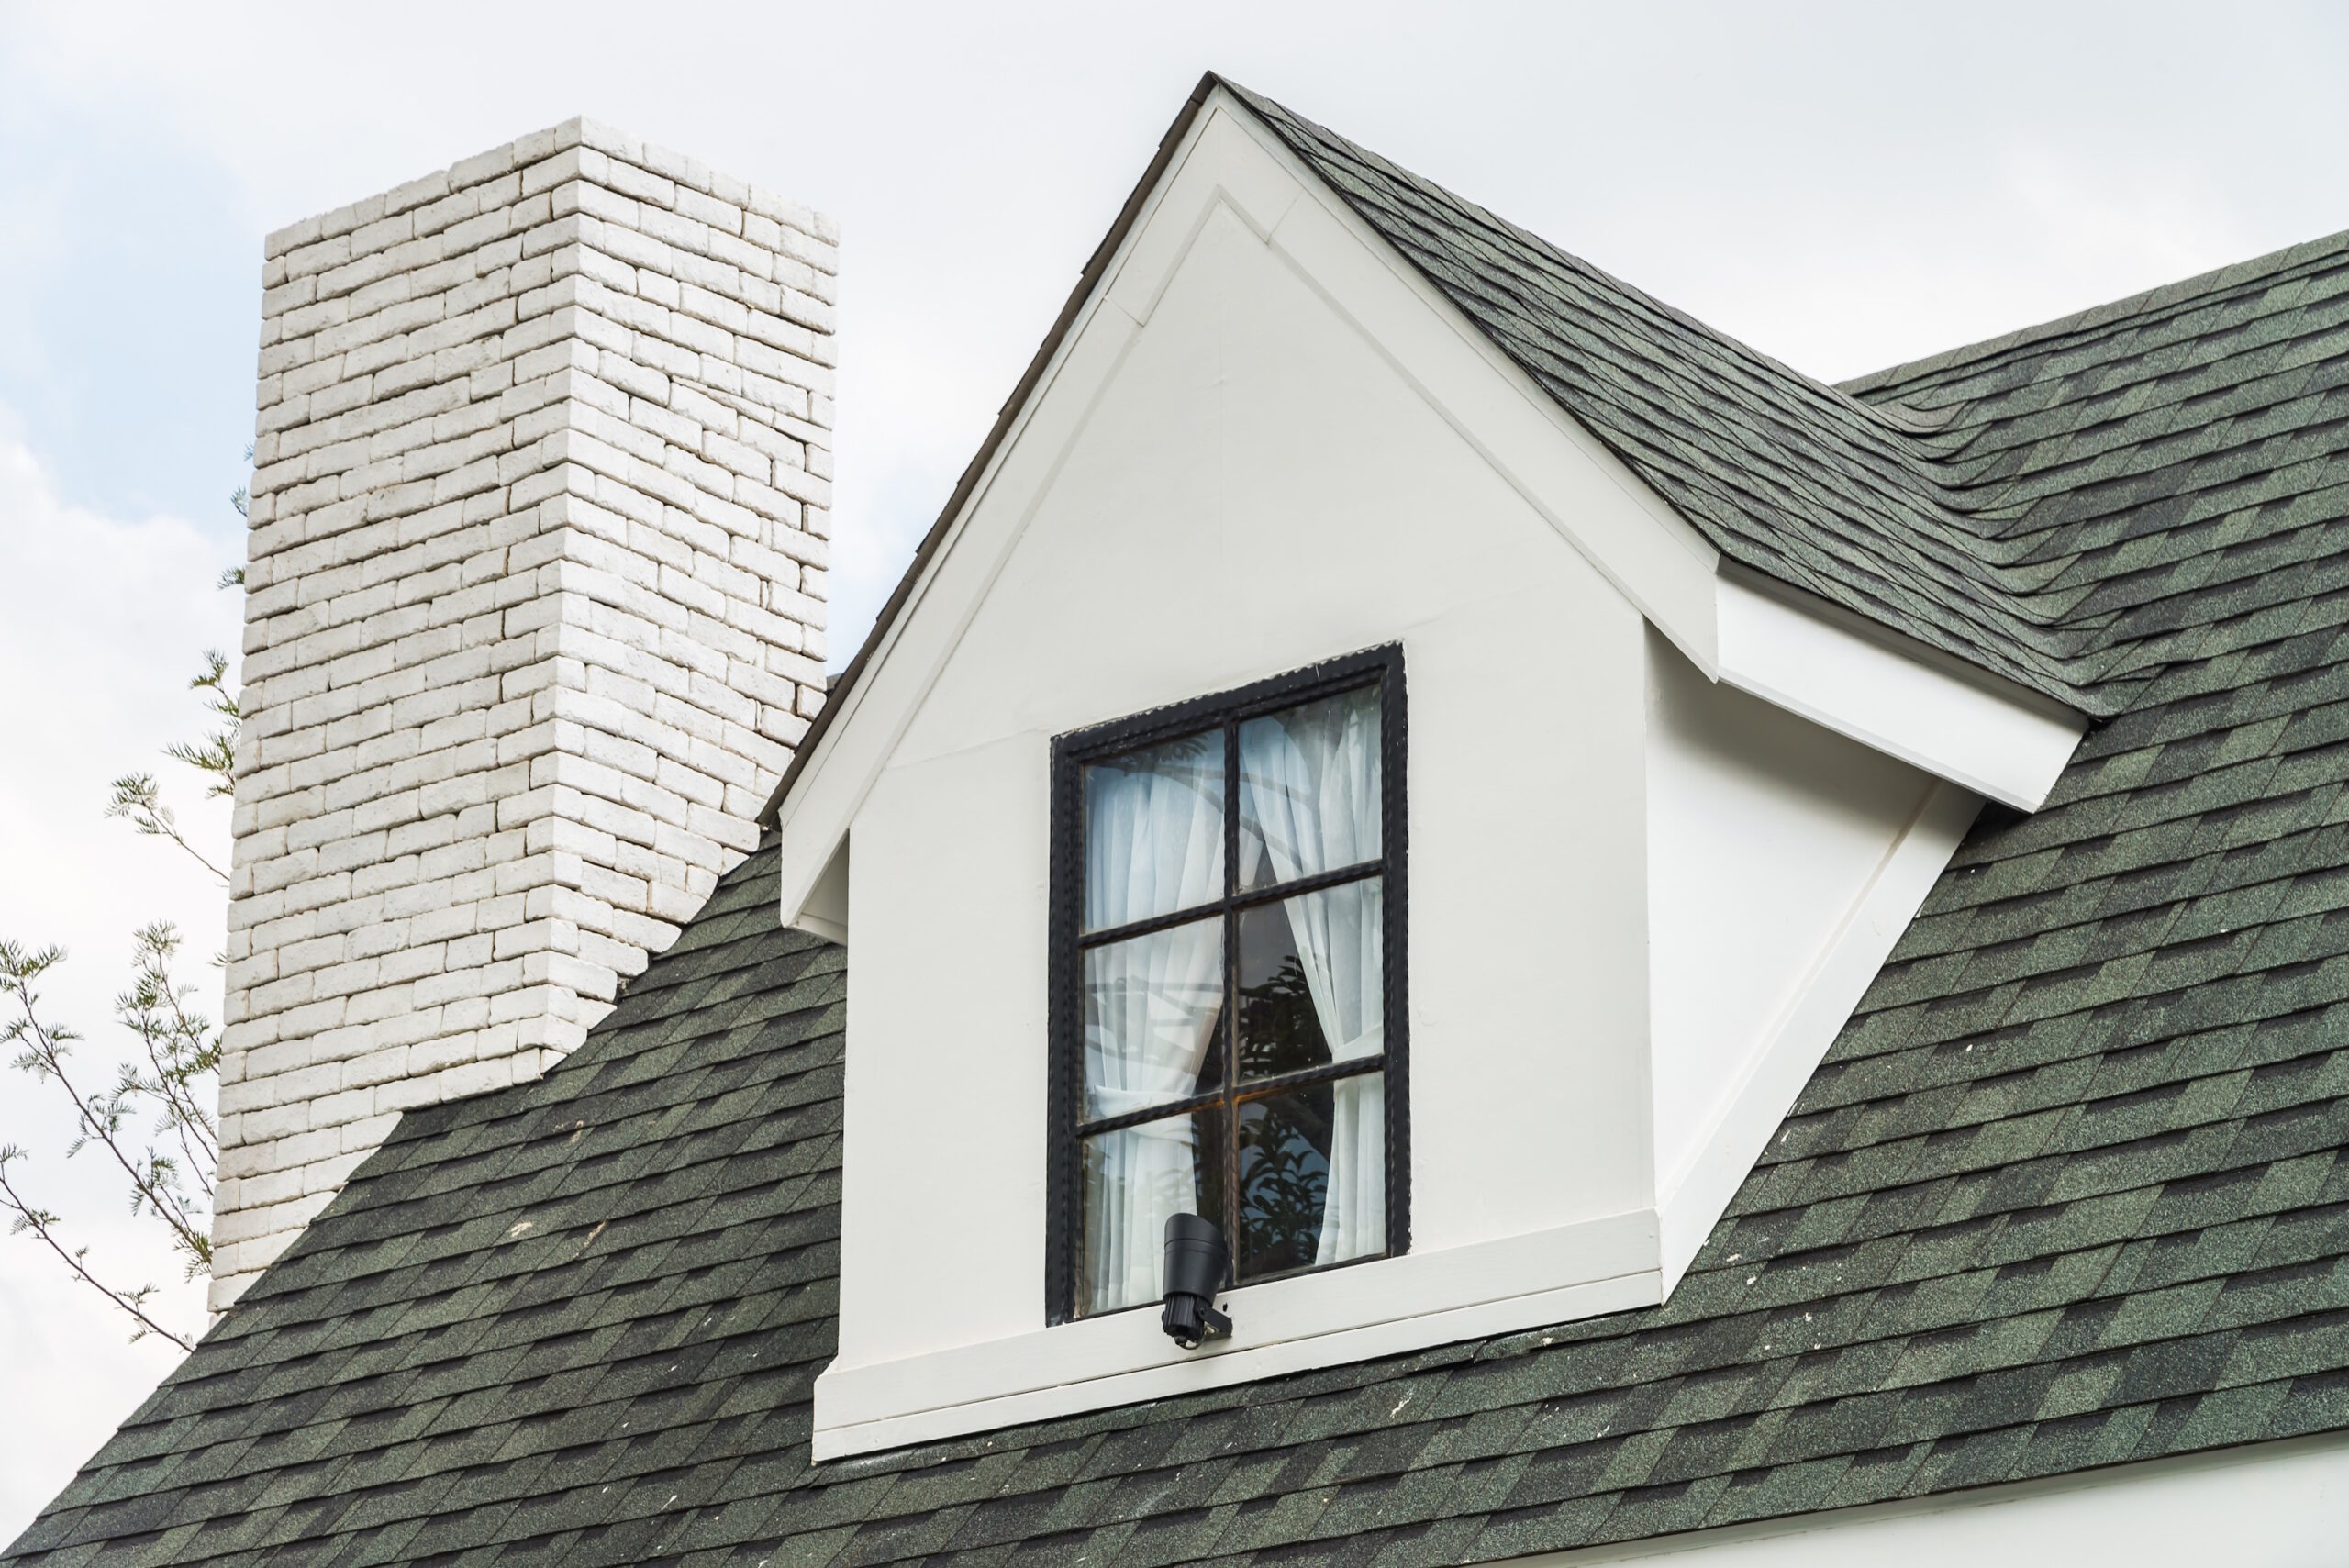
1319,775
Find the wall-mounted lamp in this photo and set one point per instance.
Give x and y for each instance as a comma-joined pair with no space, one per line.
1196,1261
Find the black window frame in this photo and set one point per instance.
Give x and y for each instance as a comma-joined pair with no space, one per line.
1382,667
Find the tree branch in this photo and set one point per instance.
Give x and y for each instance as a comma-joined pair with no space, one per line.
44,1057
138,801
40,1222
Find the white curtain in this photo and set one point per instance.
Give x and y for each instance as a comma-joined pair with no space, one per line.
1154,844
1309,787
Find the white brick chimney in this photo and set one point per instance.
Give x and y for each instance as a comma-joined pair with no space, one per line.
534,616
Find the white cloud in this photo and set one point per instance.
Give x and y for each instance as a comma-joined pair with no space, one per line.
101,623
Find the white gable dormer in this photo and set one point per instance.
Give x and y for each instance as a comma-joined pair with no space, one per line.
1654,827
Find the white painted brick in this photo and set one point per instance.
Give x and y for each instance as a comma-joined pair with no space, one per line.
534,610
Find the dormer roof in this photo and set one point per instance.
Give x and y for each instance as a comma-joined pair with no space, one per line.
1856,503
1874,496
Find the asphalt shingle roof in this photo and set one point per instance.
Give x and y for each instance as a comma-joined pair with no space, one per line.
1881,499
2068,1190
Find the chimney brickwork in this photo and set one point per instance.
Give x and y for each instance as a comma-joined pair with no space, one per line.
534,615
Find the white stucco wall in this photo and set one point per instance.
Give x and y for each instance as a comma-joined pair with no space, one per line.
1263,445
2279,1505
1256,490
1764,831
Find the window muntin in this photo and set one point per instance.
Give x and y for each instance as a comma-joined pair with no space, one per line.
1228,936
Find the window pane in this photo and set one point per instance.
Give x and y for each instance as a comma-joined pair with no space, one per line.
1284,1179
1153,830
1309,789
1312,979
1134,1179
1279,1030
1312,1176
1151,1006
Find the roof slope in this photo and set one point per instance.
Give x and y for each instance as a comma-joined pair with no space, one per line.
1853,499
1878,502
2070,1189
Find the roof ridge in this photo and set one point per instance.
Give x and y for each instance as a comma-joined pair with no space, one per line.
1904,424
2162,296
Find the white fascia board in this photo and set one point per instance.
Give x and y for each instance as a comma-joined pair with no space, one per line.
1694,1197
1973,730
1963,725
814,816
1625,529
2272,1505
1229,160
1959,724
1384,1308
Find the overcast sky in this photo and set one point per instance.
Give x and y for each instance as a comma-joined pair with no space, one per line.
1841,186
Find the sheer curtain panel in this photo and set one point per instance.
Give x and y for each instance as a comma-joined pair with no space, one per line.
1309,801
1153,845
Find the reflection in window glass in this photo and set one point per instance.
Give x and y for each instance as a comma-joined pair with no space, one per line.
1283,1172
1280,1030
1312,979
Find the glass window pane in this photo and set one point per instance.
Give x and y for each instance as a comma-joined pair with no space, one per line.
1312,979
1312,1176
1134,1178
1279,1030
1153,830
1151,1006
1309,789
1284,1175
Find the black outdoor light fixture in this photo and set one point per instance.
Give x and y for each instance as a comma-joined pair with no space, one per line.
1196,1261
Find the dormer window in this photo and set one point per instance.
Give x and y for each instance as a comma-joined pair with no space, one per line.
1226,989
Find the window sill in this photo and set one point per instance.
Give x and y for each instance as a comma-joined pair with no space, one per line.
1386,1307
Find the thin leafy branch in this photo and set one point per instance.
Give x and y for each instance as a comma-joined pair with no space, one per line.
136,799
41,1224
171,1164
139,799
157,1180
180,1051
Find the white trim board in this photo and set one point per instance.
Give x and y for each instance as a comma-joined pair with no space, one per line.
1968,727
1379,1308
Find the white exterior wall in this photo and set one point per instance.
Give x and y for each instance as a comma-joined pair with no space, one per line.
1252,490
2277,1505
1250,455
1242,502
1764,831
1783,862
535,609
